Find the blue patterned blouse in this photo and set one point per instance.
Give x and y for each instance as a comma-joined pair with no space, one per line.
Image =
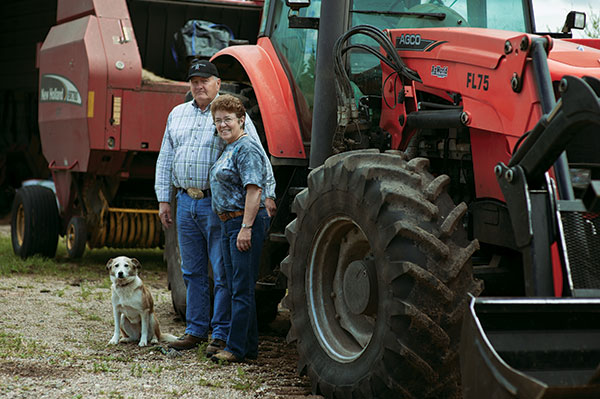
240,164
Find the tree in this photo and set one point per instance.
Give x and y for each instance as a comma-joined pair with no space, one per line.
592,28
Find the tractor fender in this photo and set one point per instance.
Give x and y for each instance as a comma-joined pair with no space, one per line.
273,92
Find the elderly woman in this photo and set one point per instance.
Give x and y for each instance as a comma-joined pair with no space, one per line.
237,180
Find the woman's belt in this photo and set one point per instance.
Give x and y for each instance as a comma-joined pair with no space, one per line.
225,216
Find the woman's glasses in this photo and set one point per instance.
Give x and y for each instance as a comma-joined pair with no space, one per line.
228,121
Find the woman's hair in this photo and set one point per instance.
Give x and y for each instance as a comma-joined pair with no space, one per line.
227,103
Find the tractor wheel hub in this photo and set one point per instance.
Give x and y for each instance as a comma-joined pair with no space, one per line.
360,286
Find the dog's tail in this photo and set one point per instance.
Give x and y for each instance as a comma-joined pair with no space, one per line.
164,337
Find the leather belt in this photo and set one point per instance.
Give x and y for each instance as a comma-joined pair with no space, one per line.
197,193
225,216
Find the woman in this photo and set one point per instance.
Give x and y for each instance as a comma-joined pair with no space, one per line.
237,180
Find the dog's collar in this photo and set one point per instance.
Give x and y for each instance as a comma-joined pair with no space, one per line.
125,283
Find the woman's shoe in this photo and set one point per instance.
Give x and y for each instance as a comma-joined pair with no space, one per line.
226,356
214,346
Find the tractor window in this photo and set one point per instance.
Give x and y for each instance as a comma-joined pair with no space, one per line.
406,14
398,14
298,47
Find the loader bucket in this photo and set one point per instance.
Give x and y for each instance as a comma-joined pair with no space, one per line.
531,348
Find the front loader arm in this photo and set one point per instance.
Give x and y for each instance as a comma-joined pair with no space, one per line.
530,193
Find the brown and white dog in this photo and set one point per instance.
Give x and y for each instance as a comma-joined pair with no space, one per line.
133,307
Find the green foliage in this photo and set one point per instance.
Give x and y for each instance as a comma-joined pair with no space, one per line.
103,367
14,345
592,28
89,267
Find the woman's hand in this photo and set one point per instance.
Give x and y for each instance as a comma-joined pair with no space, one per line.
251,205
244,239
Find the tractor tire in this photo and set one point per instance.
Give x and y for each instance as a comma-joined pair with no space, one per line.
76,237
173,259
34,222
379,272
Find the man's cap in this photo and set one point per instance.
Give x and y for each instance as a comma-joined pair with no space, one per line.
203,69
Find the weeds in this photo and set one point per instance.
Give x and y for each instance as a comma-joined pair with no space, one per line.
178,394
203,382
85,314
103,367
12,345
242,382
85,291
137,370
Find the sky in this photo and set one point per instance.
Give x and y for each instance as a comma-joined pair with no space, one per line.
552,13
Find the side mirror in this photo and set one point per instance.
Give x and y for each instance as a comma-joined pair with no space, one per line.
296,5
575,20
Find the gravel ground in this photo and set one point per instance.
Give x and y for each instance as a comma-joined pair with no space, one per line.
54,344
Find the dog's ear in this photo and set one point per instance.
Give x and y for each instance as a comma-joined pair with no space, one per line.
136,263
109,263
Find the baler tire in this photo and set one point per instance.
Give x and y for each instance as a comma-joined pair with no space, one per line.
76,237
390,219
34,222
173,259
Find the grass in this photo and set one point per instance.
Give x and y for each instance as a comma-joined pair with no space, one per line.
89,267
103,367
242,382
12,345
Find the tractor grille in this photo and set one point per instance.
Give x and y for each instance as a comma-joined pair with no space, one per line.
582,238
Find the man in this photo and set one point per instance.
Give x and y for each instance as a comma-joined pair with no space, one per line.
189,148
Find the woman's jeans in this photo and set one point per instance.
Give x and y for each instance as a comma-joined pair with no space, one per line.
199,233
241,270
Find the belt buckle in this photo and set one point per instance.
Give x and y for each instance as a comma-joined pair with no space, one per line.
195,193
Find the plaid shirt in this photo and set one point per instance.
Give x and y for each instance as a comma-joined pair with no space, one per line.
190,146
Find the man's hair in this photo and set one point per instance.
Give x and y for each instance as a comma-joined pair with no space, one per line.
228,103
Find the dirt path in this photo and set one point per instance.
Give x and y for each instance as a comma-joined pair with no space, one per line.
53,344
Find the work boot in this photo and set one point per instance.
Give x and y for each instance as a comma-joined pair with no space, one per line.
186,342
215,346
226,356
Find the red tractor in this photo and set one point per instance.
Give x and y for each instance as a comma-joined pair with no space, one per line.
453,153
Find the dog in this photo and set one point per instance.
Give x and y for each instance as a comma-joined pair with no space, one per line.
133,307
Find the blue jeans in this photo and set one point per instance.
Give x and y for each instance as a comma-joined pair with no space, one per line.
199,233
241,269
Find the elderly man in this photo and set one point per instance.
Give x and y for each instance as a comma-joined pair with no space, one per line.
189,148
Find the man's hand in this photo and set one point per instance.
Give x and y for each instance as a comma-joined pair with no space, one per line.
271,207
164,213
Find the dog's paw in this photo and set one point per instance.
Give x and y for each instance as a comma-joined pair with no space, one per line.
113,341
126,340
143,342
154,341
